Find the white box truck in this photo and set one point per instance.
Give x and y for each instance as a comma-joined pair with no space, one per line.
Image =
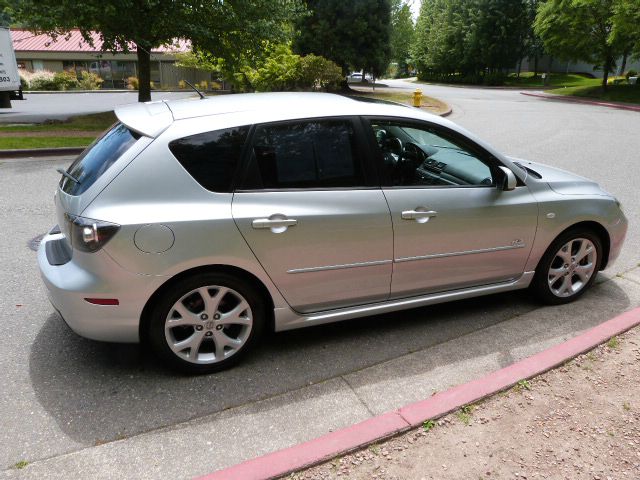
10,88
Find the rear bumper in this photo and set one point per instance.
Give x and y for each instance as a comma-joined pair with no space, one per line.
98,277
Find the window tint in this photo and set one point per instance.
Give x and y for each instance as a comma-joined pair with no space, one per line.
414,156
211,158
97,159
314,154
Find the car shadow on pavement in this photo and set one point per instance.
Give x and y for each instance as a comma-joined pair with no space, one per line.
99,392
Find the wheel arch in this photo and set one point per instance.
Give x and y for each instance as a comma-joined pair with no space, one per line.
145,316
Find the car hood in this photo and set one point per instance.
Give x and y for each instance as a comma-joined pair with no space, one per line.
561,181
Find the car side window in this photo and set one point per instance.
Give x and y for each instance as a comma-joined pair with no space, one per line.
304,154
419,155
211,158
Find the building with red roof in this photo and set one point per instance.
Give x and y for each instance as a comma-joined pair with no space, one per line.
72,52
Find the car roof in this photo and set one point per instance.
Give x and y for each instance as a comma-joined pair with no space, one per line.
152,118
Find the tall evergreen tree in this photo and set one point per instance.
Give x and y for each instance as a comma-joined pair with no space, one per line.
471,38
354,34
401,37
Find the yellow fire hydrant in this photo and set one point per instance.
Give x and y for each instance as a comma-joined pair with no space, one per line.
417,98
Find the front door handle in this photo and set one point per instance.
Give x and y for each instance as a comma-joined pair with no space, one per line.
420,216
276,223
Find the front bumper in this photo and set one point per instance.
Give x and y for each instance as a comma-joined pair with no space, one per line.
617,234
96,275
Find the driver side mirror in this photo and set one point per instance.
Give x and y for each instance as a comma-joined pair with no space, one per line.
510,181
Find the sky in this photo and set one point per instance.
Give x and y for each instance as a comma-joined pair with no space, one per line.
415,8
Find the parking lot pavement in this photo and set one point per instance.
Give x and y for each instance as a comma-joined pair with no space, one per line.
79,408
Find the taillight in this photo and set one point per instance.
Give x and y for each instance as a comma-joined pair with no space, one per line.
87,234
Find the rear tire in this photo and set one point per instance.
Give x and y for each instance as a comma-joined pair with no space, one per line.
206,323
568,268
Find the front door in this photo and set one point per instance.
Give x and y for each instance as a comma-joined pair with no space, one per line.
309,209
453,227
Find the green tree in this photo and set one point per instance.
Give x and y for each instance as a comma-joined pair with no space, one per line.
7,8
626,28
401,35
474,39
229,28
582,30
354,34
533,47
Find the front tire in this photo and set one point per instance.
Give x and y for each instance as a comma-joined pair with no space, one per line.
206,323
568,268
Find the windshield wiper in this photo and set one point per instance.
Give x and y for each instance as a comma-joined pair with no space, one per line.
64,173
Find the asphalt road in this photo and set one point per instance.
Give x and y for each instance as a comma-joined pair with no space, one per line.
62,394
38,107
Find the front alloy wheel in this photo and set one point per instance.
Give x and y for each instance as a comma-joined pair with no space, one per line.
207,323
568,268
572,267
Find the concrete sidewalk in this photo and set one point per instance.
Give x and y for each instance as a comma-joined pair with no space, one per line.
210,443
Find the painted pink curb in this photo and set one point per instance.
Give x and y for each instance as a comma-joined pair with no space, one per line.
565,98
294,458
308,453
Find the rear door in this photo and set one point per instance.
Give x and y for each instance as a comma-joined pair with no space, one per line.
310,209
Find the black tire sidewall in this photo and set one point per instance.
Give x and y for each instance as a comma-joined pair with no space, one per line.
156,325
540,285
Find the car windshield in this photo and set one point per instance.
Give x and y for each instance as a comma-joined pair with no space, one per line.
97,159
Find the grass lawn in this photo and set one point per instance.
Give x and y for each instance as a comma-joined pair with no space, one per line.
615,93
9,143
430,104
93,122
78,131
556,80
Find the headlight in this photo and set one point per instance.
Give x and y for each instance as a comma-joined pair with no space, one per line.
88,235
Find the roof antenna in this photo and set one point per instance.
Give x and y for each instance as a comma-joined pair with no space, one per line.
196,90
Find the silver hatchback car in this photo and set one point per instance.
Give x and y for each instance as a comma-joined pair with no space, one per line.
194,225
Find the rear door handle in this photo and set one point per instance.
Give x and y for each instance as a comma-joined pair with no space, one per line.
420,216
276,223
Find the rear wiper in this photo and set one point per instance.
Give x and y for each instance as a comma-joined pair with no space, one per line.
64,173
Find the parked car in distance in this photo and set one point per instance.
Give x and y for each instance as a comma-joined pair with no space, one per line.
194,225
356,77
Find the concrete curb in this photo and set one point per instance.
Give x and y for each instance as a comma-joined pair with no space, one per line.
565,98
283,462
448,112
41,152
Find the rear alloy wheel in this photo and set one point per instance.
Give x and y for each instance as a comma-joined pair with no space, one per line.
568,268
207,323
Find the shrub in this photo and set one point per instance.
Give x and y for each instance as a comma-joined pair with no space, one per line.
89,81
152,85
203,85
181,84
65,80
42,80
132,83
319,73
494,79
24,79
216,86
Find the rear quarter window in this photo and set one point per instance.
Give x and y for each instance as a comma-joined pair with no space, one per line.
97,159
211,158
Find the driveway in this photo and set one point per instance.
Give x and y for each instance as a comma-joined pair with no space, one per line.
114,412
